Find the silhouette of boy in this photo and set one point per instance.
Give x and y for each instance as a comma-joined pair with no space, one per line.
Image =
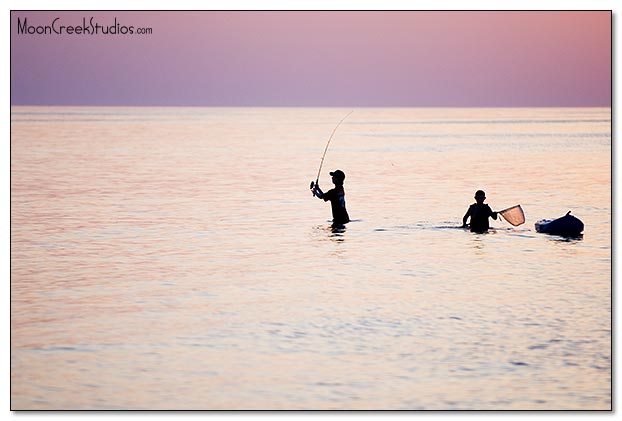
479,213
337,197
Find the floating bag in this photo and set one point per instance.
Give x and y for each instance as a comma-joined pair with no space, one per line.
513,215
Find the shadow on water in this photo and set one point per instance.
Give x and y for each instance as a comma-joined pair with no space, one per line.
572,239
447,226
521,232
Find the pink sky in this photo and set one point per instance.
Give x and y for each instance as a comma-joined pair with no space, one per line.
318,59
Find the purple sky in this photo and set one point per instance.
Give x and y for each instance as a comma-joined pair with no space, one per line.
317,59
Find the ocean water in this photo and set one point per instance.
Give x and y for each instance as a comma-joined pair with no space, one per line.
174,258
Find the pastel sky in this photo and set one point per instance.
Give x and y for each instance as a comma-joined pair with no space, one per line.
262,58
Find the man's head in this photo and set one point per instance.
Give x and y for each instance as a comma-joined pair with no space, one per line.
338,177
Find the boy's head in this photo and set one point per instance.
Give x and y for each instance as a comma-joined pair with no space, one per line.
480,196
338,177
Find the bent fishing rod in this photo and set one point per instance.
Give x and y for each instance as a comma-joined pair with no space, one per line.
326,149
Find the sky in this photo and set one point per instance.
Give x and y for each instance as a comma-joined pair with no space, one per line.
313,58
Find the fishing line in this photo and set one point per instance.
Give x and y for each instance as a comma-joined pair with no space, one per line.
326,148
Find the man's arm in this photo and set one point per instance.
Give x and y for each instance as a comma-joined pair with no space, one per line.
317,191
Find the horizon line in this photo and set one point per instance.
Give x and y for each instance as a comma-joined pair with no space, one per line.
306,106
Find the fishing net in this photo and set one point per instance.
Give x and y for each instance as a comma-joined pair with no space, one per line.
513,215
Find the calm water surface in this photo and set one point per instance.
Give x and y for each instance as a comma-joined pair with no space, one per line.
174,258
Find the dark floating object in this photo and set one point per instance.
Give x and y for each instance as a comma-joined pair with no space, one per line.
567,226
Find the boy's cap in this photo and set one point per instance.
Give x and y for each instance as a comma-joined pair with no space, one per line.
339,174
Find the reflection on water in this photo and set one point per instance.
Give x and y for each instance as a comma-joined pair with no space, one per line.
337,235
160,260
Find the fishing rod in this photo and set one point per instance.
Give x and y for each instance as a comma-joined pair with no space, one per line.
326,149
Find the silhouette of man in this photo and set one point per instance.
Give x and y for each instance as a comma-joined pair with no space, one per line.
337,197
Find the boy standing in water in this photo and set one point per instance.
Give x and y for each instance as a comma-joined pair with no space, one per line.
479,213
337,197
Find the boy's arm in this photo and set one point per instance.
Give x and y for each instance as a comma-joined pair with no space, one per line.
466,216
493,214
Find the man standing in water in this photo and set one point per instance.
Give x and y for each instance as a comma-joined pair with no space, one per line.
337,197
479,213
